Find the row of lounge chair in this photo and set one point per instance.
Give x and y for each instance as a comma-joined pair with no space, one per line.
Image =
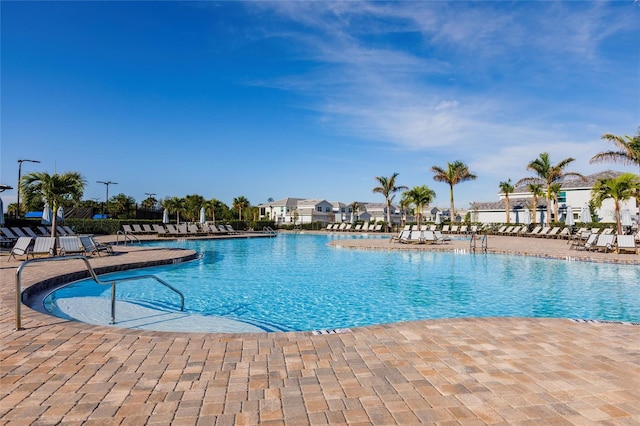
349,227
606,243
184,230
63,245
12,234
420,237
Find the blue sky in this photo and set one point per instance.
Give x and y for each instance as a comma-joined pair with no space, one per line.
311,99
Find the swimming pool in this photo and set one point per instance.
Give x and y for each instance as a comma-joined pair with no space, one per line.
297,282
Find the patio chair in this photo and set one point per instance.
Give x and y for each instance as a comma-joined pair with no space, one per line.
137,229
18,231
147,229
21,248
604,243
44,232
626,243
44,246
454,229
565,233
60,231
160,230
533,232
68,230
441,239
445,229
30,232
233,231
92,247
8,234
553,233
127,229
70,244
429,237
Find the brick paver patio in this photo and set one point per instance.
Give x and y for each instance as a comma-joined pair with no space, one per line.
446,372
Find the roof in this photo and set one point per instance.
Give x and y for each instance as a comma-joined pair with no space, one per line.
574,182
514,204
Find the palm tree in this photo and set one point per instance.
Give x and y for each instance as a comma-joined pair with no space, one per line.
53,189
240,203
548,174
388,188
628,150
149,203
355,208
405,203
454,174
122,204
555,190
536,191
193,204
175,204
421,196
620,189
507,188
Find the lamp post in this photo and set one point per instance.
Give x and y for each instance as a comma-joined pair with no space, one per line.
19,177
107,183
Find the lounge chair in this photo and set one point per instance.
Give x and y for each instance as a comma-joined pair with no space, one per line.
500,230
553,233
44,232
68,230
8,234
70,244
454,229
403,235
415,237
533,232
378,228
604,243
626,243
607,231
358,227
44,246
21,248
147,229
329,226
581,240
182,229
365,227
348,227
474,228
515,230
429,237
30,232
127,229
60,231
565,233
230,229
544,231
440,238
137,229
92,247
18,232
160,230
445,229
464,229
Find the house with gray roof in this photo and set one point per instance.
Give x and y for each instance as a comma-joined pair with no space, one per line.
574,193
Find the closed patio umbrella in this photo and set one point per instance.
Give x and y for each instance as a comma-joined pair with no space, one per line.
625,217
46,215
585,214
438,218
569,220
165,216
203,219
1,213
60,214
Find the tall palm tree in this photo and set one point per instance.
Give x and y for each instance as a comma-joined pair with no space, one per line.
555,190
53,189
548,174
193,204
421,196
405,203
507,188
122,204
536,191
175,204
454,174
388,188
620,189
240,203
628,152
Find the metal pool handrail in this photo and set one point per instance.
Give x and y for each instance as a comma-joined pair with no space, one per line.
94,276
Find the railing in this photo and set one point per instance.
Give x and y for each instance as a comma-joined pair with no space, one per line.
269,230
127,236
94,276
473,242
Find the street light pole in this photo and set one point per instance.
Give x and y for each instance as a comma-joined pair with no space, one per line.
107,183
19,177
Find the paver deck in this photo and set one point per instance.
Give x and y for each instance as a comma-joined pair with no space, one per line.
446,372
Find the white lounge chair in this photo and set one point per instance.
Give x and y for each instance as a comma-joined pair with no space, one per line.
402,236
440,238
21,248
70,244
44,246
626,243
604,242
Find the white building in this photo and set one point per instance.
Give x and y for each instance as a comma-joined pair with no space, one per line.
574,193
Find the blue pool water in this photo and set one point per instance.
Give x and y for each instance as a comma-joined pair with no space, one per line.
298,282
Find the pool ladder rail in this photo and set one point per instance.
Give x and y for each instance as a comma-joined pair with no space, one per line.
94,276
128,237
269,230
474,240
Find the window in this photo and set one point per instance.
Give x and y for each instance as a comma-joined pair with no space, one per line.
562,197
327,210
319,209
